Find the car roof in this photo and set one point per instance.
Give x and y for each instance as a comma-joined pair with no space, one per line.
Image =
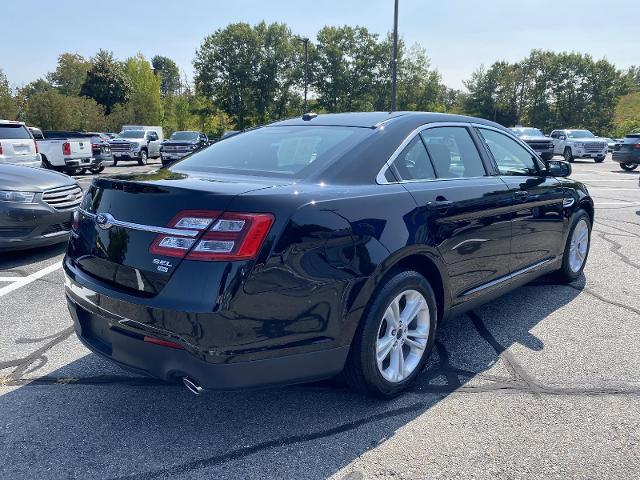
376,119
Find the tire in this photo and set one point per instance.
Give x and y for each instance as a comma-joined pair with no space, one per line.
629,166
377,333
115,162
97,170
599,159
570,269
547,156
83,171
143,158
568,155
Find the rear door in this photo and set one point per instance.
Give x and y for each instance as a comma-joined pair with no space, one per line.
462,210
538,220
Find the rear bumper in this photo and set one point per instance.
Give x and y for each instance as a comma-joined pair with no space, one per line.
627,157
106,337
32,225
82,162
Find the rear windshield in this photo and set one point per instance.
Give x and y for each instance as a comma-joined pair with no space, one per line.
184,136
282,151
11,132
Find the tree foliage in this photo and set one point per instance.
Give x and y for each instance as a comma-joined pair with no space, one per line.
144,106
106,81
8,104
70,74
51,110
169,74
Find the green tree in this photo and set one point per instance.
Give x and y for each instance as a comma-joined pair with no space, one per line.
249,71
144,105
8,104
169,74
50,110
106,81
70,74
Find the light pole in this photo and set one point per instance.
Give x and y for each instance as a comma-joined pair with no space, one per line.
305,41
394,57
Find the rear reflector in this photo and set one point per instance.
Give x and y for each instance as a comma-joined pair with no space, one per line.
163,343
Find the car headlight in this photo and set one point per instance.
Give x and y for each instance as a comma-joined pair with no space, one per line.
16,197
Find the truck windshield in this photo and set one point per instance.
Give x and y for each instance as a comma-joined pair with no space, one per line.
184,136
580,134
132,134
282,151
527,132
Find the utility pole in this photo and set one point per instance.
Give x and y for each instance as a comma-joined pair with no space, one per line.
394,57
305,41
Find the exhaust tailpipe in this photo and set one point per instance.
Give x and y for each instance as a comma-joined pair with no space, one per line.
193,386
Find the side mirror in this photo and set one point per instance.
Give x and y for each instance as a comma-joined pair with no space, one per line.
558,168
562,137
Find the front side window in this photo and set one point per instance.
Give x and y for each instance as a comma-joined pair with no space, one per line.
453,153
511,157
413,163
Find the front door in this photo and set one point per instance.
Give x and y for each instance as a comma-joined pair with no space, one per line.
460,209
538,220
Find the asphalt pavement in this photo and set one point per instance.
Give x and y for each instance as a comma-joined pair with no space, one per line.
541,383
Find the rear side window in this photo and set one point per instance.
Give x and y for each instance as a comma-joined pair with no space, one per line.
453,152
14,132
283,151
413,163
511,157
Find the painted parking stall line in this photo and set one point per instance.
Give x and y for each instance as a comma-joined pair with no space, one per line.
19,282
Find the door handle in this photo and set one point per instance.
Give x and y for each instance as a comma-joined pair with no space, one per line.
441,204
521,195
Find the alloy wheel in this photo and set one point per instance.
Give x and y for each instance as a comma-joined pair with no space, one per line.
579,245
402,336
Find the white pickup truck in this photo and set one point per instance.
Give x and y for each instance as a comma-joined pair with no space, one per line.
70,155
578,144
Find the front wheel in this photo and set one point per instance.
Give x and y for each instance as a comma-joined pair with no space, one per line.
143,158
395,337
568,155
629,166
576,249
599,159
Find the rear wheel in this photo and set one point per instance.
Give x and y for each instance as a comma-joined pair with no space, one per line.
83,171
96,170
143,158
115,162
576,249
395,338
547,156
628,166
568,155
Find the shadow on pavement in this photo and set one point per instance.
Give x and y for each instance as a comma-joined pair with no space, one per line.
15,261
68,425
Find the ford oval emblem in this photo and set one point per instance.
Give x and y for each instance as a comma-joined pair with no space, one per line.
105,220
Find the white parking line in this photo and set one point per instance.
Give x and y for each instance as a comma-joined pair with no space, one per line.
22,281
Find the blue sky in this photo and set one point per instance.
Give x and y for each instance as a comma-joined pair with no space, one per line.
459,35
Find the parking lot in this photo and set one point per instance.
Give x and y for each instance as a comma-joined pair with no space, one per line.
542,383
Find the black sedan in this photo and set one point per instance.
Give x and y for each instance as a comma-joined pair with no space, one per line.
312,247
627,152
36,207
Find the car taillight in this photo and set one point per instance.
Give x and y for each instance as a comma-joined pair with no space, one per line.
66,148
177,244
35,144
234,236
636,146
230,236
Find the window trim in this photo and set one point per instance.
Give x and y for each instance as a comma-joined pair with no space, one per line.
479,126
469,127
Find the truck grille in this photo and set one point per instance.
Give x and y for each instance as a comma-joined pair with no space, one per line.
541,145
594,147
63,198
120,147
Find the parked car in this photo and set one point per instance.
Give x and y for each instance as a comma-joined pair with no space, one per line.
136,142
315,246
627,153
65,151
36,207
542,145
17,145
180,144
611,144
573,144
100,148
